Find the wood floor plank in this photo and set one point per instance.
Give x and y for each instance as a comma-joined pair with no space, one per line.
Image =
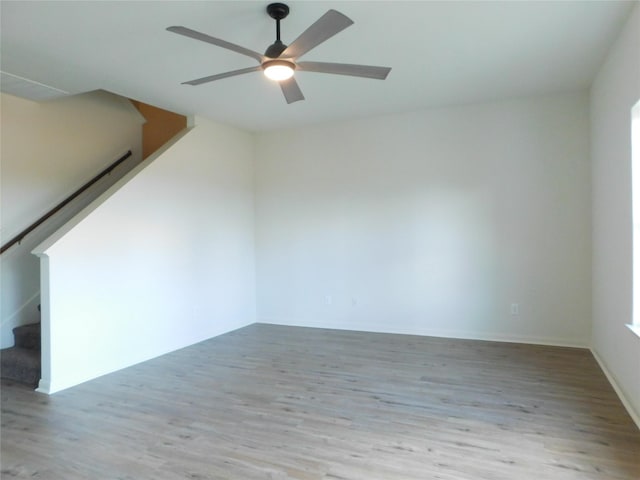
273,402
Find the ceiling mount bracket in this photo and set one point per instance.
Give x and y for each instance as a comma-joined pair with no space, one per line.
278,11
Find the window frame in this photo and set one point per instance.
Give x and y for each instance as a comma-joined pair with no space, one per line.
634,326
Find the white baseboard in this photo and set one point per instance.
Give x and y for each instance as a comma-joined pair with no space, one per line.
635,416
427,332
44,386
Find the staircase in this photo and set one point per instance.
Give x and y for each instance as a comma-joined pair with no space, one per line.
21,362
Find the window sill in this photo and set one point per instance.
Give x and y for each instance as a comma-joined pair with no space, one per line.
634,328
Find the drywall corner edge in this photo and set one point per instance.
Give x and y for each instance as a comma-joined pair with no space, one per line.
44,385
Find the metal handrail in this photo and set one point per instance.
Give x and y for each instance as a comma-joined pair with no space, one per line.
18,238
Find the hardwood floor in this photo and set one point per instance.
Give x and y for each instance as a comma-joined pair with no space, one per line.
271,402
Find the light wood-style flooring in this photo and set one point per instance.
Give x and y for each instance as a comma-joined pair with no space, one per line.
273,402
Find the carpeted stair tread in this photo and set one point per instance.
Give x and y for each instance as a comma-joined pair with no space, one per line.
27,336
20,364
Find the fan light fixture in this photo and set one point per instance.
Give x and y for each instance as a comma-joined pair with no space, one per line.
280,61
278,70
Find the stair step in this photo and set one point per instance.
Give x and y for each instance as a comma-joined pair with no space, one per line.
21,365
27,336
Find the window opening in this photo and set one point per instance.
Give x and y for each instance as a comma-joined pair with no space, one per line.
635,196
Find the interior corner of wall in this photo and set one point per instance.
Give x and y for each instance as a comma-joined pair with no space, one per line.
131,108
139,117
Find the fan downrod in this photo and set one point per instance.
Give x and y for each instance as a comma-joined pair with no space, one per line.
278,11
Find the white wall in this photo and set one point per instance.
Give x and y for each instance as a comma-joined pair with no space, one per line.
615,90
164,262
49,150
431,222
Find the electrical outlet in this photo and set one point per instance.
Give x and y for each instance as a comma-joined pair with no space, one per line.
515,309
328,300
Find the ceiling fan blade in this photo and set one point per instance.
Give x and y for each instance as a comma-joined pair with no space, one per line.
233,73
379,73
291,90
323,29
187,32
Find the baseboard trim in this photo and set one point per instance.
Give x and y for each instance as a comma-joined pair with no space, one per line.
426,332
635,416
44,386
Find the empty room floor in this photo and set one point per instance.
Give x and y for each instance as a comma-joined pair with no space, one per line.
274,402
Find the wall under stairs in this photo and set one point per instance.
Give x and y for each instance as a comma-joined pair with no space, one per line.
49,150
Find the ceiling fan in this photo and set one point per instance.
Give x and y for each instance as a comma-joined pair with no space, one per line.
280,61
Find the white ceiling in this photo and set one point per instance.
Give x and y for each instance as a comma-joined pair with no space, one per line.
441,53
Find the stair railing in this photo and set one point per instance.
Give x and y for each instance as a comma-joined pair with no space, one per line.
18,238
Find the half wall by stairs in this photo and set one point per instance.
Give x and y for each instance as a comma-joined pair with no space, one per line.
167,254
82,125
49,150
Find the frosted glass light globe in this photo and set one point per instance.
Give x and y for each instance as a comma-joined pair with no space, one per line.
278,70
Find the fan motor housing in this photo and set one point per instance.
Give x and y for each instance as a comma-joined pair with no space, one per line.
275,49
